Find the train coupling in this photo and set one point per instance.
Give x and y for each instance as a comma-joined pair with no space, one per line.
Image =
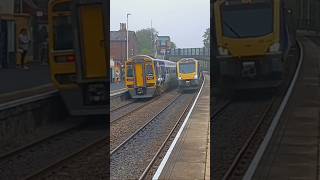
248,69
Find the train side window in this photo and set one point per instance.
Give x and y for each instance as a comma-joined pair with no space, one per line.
63,34
163,70
148,69
155,64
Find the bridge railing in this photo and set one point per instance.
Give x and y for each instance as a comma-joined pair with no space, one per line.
192,52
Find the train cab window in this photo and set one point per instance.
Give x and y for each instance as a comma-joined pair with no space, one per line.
187,68
148,69
63,33
130,71
62,7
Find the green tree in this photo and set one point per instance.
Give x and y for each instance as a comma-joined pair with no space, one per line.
173,45
206,40
146,39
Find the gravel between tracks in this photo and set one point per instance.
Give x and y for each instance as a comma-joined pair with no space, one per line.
124,127
119,105
128,108
32,159
130,160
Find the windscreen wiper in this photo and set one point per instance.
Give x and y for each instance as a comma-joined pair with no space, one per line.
231,29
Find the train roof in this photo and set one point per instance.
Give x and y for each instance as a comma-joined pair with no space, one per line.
139,57
187,60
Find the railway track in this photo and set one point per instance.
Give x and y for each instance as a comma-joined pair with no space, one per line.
219,108
240,162
37,142
143,126
129,108
120,107
62,160
38,157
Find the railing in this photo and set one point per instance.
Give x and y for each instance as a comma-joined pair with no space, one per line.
190,52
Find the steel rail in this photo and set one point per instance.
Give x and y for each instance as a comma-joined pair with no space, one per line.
142,127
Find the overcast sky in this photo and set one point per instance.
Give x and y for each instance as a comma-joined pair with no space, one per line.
185,21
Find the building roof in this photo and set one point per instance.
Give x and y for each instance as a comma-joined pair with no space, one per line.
121,35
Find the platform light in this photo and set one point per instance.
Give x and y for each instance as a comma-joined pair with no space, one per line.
223,51
274,47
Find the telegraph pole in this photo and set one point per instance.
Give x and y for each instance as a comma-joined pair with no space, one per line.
128,35
21,6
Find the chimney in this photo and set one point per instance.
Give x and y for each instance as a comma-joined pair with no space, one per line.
123,27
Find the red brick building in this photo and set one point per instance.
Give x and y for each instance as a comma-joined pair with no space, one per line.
118,44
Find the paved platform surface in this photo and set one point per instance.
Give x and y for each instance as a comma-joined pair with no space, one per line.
293,152
190,158
15,79
115,86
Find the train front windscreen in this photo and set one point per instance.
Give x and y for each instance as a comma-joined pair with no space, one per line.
187,68
243,21
63,33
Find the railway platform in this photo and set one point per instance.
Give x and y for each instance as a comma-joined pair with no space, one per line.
293,149
18,83
189,158
14,79
114,86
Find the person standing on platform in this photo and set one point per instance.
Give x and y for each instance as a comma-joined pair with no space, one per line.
23,46
44,46
117,76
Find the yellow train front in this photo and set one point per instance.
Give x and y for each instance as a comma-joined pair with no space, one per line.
188,71
77,54
147,77
252,42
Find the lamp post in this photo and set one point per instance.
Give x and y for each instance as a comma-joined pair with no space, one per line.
21,6
128,35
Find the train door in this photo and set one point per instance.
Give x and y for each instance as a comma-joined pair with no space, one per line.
139,73
3,43
90,31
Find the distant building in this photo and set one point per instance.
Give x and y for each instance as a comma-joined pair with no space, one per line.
6,7
118,44
163,45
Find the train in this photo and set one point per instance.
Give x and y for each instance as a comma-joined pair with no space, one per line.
252,39
78,54
146,77
189,75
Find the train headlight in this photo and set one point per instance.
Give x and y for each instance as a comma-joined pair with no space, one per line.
196,76
275,47
179,78
223,51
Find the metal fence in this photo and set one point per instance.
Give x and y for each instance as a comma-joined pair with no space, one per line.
307,13
190,52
